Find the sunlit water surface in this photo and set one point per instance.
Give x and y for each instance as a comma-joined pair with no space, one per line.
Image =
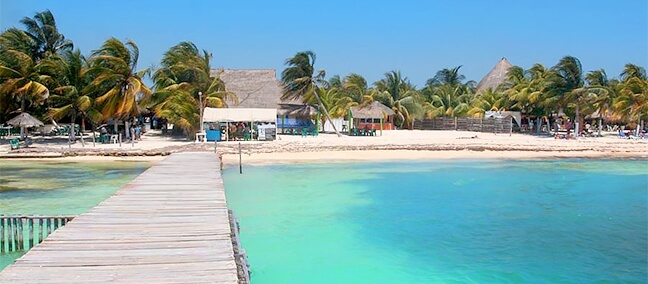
567,221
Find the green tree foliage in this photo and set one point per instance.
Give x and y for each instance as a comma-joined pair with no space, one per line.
397,93
183,80
300,81
116,80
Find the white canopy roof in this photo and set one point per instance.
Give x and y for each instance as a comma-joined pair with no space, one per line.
240,114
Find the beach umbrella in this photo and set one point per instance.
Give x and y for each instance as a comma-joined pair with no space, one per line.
24,120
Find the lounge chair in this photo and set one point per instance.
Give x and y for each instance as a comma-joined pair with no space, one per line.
15,143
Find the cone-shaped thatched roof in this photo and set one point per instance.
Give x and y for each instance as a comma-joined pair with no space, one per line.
495,77
24,119
373,110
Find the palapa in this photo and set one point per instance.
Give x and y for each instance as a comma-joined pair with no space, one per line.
495,77
372,110
25,120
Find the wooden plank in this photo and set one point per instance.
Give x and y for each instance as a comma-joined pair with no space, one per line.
169,225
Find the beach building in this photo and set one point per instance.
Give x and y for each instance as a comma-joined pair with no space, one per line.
259,105
374,116
495,77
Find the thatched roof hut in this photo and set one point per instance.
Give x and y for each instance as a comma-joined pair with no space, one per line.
495,77
255,88
373,110
260,88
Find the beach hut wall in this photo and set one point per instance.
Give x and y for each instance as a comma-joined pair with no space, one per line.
495,77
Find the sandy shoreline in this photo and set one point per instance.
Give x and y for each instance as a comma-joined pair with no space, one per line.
230,160
328,148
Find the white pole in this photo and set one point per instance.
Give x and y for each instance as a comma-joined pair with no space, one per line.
201,110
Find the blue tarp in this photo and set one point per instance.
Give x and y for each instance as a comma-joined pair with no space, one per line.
293,122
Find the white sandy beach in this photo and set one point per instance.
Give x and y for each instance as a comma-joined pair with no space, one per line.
392,145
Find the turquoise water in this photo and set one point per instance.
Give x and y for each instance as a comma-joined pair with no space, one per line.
59,188
569,221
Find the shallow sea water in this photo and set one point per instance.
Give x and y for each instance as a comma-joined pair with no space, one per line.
566,221
59,187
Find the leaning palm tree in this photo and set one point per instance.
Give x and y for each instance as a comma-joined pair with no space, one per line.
118,85
300,81
184,86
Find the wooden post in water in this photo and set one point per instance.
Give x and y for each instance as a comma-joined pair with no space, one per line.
3,227
40,230
2,235
11,234
20,242
48,226
240,160
30,224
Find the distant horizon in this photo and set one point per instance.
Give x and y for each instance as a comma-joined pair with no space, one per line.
369,38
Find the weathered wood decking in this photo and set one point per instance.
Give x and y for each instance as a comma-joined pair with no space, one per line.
169,225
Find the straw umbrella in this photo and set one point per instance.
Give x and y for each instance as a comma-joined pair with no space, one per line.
24,120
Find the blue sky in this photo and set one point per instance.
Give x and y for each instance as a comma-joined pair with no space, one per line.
366,37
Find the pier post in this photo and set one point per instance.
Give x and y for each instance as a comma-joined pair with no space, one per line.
30,224
2,234
240,160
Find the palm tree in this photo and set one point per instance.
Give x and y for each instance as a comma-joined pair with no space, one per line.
116,80
22,53
69,98
22,80
632,101
300,81
602,104
45,35
447,77
397,93
446,101
531,91
355,87
569,79
488,100
183,84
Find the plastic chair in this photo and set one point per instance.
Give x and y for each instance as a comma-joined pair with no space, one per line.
15,143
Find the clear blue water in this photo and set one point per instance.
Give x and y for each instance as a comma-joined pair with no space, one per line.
569,221
59,187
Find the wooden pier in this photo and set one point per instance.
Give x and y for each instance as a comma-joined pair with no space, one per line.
169,225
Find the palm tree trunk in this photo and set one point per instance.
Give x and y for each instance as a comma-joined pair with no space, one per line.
328,117
22,109
600,128
577,122
93,134
73,129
